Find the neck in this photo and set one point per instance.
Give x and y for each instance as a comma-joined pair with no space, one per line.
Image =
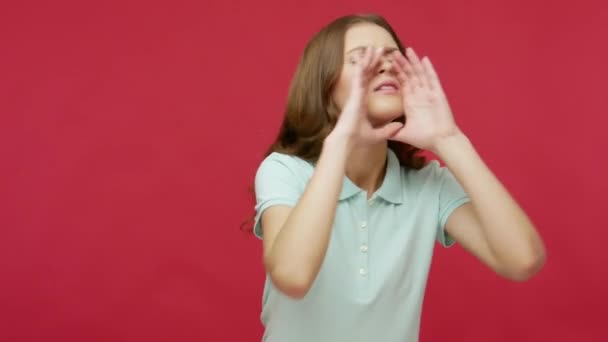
366,167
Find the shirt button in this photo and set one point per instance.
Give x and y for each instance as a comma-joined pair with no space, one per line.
363,224
362,271
363,248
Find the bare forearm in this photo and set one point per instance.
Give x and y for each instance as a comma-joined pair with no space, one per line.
300,246
510,234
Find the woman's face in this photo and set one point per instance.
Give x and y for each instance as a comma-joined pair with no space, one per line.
383,105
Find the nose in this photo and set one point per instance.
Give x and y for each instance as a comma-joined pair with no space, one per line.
386,64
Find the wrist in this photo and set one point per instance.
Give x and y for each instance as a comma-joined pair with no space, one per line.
336,149
338,140
446,146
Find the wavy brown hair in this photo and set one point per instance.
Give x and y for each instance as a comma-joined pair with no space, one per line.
310,114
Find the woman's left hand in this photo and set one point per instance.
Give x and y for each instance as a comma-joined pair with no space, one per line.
428,117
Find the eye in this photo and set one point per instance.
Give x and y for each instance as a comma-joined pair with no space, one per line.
355,56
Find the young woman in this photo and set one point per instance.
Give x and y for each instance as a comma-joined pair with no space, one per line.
347,210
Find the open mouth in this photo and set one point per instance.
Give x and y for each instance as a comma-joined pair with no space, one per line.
387,86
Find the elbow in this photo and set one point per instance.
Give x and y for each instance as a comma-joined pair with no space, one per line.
289,281
295,291
294,285
528,267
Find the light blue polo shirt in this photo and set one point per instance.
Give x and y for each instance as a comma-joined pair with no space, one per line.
371,284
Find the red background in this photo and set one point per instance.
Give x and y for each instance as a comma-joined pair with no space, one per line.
130,134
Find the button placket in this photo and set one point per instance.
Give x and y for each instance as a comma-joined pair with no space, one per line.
363,223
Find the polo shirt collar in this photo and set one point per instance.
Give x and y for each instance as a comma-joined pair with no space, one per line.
390,190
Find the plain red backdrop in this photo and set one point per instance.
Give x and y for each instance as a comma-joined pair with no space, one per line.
130,133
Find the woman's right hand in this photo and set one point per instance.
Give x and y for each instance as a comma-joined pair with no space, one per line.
353,123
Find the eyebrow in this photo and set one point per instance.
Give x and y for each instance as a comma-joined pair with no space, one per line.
387,49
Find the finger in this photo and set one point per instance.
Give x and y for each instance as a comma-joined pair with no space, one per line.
358,79
401,75
368,55
378,53
430,73
411,73
387,131
374,64
364,65
417,66
406,67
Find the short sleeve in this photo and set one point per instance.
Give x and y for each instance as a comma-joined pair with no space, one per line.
276,183
451,196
